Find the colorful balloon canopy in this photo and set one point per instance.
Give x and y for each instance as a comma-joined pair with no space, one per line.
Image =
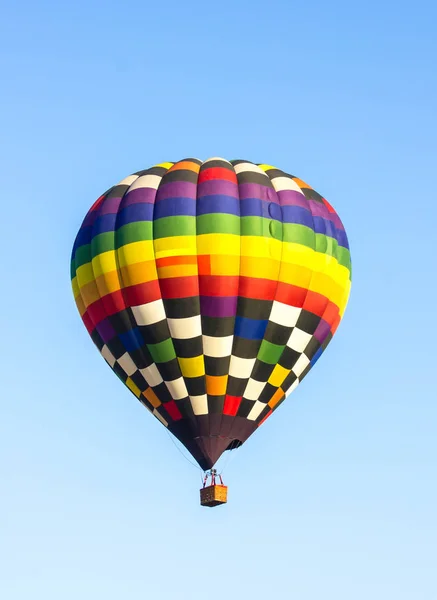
211,289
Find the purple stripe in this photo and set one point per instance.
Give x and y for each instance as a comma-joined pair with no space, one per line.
176,189
214,186
218,306
322,331
292,198
110,206
336,220
105,330
318,209
144,195
254,190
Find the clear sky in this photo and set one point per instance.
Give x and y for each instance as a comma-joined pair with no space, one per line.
335,496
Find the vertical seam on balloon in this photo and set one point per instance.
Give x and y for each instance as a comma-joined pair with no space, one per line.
198,288
309,283
91,263
236,307
279,272
122,281
185,415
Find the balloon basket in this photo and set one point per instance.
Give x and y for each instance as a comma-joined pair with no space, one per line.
213,494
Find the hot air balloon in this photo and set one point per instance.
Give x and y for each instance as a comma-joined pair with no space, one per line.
211,289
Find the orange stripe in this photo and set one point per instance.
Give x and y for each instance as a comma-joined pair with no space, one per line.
185,165
152,397
167,261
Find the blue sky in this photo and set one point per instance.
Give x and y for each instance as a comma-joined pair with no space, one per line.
335,496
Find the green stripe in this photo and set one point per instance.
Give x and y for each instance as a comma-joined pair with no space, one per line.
172,226
139,231
82,256
102,243
298,234
344,257
162,352
270,353
218,223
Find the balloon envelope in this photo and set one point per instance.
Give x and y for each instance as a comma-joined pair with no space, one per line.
211,289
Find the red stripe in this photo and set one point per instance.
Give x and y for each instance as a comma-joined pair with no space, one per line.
88,323
335,324
217,173
204,265
316,303
143,293
265,418
218,285
291,294
231,405
328,206
97,203
179,287
331,314
113,303
173,410
259,289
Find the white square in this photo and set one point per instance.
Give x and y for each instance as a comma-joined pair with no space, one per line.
301,364
151,375
218,347
127,364
254,389
256,410
107,355
184,329
147,314
292,387
241,367
283,314
285,183
146,181
158,416
177,388
199,404
299,340
245,167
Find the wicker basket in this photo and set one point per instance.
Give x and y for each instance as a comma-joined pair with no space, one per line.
213,495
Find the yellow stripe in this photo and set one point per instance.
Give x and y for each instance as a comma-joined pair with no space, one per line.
218,243
133,388
225,264
192,367
253,245
135,252
267,167
166,165
265,268
104,263
176,245
278,376
75,287
84,274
